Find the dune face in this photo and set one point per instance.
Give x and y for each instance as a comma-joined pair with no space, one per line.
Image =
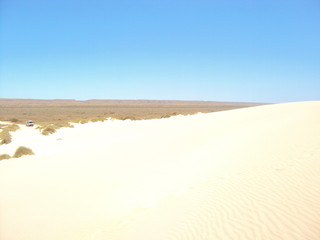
250,173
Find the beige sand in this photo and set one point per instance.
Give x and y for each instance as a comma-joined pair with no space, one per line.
243,174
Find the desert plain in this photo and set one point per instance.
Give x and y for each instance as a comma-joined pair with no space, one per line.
249,173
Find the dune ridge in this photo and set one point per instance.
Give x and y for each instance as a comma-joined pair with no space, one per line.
241,174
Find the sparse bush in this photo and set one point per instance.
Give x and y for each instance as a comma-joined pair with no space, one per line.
21,151
83,121
52,128
4,156
62,124
5,137
48,130
97,120
12,127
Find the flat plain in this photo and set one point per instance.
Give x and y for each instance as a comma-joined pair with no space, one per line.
59,111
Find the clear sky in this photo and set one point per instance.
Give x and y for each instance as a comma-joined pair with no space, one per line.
224,50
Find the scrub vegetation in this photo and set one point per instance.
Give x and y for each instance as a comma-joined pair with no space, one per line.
4,156
5,136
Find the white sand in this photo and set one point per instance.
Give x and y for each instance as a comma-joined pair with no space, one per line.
243,174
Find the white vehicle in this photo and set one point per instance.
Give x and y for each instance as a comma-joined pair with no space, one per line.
29,123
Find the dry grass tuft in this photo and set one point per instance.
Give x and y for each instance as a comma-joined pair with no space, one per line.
21,151
4,156
63,124
5,137
48,129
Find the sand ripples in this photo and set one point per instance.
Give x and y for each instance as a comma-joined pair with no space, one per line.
243,174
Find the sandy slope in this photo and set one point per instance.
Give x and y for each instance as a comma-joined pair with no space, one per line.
243,174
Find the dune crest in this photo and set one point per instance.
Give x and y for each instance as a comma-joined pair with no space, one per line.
241,174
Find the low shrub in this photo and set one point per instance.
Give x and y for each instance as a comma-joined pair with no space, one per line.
4,156
13,120
21,151
129,118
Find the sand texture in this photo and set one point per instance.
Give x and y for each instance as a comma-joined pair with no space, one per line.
242,174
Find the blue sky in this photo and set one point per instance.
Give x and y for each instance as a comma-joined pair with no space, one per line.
226,50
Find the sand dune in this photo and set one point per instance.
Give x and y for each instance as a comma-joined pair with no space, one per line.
242,174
